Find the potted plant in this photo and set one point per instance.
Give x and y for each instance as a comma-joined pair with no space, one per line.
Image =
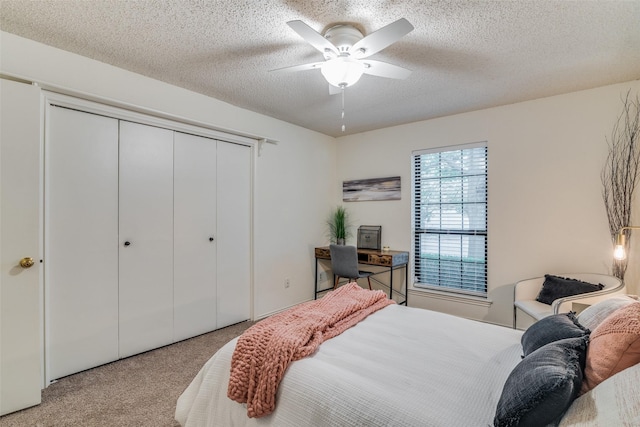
338,223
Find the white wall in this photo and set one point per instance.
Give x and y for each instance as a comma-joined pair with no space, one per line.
546,213
545,156
292,184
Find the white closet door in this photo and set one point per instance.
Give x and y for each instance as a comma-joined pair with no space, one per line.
234,238
81,241
194,235
146,238
20,340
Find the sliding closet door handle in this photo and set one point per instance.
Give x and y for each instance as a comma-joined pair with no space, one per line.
211,239
127,243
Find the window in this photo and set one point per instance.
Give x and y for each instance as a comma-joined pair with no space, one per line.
450,218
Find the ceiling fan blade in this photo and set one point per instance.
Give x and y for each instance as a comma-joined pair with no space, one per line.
378,40
303,67
312,37
384,69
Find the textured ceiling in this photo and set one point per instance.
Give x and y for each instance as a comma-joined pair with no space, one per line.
465,55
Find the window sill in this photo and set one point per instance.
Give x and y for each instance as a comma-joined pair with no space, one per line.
451,296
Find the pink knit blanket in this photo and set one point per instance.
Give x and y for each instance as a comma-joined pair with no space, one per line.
265,350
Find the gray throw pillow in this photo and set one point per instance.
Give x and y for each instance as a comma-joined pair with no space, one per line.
549,329
543,385
555,287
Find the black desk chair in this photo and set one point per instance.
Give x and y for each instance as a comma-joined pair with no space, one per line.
344,263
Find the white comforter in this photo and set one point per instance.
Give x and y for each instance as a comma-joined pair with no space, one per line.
401,366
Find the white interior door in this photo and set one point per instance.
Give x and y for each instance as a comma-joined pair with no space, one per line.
194,235
20,319
234,233
146,238
81,241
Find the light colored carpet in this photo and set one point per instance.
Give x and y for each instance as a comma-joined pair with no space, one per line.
138,391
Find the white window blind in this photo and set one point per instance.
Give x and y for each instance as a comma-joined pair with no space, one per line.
450,218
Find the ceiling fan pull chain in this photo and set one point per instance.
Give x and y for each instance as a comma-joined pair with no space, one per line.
343,127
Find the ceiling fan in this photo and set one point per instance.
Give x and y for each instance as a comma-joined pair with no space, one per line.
346,50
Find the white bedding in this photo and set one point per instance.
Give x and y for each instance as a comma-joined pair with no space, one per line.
401,366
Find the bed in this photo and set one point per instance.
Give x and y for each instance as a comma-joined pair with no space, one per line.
400,366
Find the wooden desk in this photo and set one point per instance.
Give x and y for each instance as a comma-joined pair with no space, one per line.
392,260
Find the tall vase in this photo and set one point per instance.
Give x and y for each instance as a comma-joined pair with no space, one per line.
340,241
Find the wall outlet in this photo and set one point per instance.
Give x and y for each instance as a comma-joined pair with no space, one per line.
287,282
322,277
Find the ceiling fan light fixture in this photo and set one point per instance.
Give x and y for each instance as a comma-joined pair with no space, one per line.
342,71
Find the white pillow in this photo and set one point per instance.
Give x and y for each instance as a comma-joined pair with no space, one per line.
609,403
593,315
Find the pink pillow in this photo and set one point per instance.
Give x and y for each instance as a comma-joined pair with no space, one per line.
614,346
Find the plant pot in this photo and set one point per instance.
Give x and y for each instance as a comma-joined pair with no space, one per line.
340,242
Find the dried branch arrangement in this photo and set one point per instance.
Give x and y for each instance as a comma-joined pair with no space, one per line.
621,173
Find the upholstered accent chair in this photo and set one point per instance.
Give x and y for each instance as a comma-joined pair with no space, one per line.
527,291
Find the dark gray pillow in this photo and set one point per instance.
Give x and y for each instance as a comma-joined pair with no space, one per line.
549,329
555,287
543,385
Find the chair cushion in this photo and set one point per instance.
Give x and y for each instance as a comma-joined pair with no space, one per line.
533,308
555,287
614,346
550,329
543,385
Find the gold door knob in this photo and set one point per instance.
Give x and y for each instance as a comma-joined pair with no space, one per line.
26,262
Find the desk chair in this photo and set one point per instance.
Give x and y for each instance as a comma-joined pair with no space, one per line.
344,263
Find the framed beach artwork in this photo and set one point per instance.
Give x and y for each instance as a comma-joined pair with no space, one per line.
371,189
